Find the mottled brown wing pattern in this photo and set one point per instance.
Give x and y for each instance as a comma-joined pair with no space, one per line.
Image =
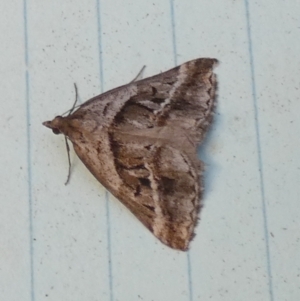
183,96
140,140
164,181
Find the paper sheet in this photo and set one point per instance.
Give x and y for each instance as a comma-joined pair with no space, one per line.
77,242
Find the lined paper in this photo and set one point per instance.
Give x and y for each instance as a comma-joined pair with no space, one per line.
77,242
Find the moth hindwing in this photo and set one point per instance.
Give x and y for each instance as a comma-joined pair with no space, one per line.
140,140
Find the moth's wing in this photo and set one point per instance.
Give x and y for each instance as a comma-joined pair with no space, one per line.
164,178
158,182
181,97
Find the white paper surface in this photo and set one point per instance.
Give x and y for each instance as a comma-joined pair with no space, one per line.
77,242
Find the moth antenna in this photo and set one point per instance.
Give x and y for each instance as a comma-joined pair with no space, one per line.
76,99
75,102
139,74
70,110
69,160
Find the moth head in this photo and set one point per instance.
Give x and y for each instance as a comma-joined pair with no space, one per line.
54,125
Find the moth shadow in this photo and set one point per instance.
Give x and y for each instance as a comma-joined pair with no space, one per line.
211,168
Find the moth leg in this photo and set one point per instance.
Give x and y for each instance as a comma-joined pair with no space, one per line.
69,160
138,75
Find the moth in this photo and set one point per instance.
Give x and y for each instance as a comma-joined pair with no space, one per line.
140,142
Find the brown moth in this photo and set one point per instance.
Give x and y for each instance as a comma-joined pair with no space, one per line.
139,141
